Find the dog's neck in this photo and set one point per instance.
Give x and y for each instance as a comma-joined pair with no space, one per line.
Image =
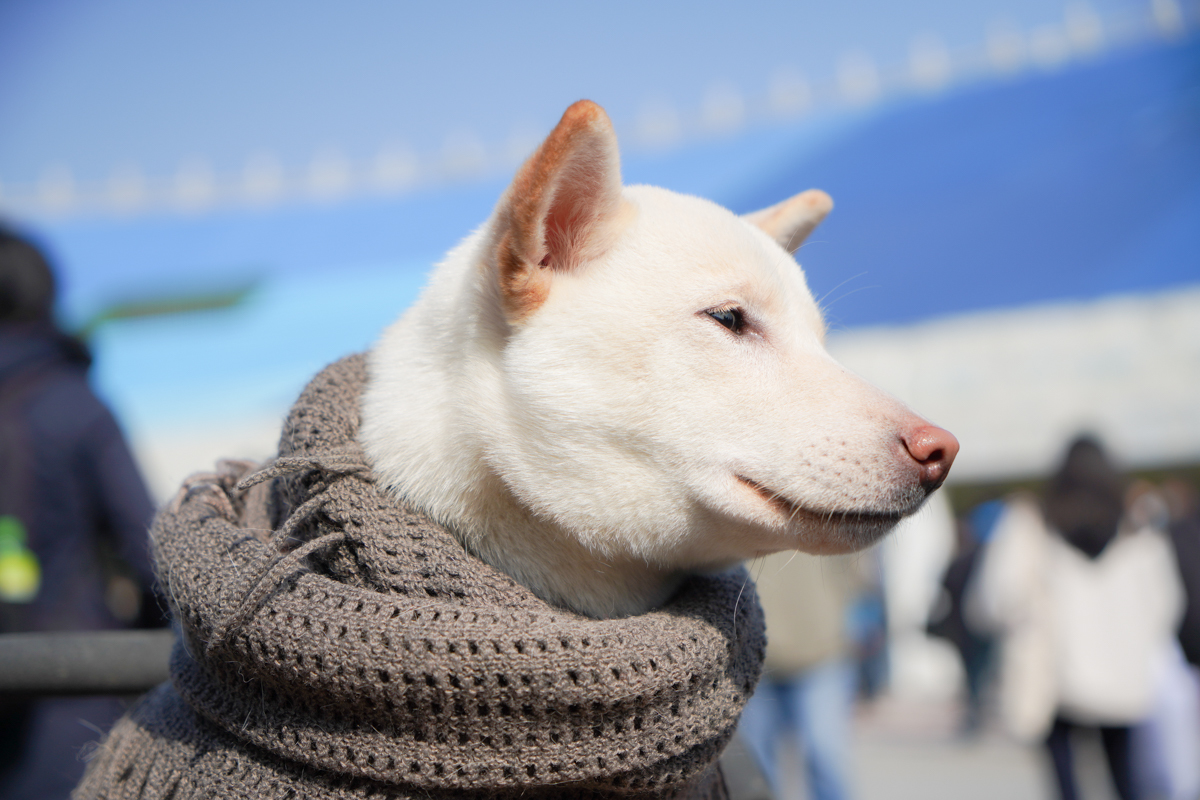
434,381
557,566
483,514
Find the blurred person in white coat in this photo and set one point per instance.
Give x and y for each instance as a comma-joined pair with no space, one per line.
1086,605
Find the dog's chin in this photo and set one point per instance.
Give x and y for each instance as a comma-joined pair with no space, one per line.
829,532
850,532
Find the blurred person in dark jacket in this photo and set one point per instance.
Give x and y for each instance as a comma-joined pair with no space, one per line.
949,619
1167,745
72,503
1184,515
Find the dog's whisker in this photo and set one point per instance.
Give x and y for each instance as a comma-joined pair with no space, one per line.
821,300
853,291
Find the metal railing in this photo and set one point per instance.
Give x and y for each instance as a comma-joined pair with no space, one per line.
93,662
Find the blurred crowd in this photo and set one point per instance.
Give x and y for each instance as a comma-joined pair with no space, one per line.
1074,612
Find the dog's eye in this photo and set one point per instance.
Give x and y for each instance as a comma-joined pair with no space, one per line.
731,318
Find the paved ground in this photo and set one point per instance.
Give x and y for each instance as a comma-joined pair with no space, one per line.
909,751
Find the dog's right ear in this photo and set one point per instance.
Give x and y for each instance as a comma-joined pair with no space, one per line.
791,221
560,210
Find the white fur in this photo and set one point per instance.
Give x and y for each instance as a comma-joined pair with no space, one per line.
592,451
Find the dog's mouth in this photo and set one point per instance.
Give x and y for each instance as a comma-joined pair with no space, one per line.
794,511
774,499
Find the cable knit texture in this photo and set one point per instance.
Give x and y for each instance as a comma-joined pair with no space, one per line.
338,644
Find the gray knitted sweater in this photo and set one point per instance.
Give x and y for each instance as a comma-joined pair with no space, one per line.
338,644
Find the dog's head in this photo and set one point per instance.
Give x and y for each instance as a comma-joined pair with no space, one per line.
644,370
666,387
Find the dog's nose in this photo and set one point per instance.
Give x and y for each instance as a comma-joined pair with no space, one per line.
934,450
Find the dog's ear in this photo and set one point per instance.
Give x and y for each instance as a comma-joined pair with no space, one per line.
560,210
791,221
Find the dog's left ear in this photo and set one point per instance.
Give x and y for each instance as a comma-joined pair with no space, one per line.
791,221
560,210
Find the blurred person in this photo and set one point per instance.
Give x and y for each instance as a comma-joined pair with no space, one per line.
949,621
867,627
1086,603
1167,744
1183,508
913,561
70,497
807,691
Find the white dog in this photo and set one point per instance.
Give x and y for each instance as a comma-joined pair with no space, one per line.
606,388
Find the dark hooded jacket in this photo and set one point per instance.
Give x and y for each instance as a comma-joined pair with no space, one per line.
67,475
